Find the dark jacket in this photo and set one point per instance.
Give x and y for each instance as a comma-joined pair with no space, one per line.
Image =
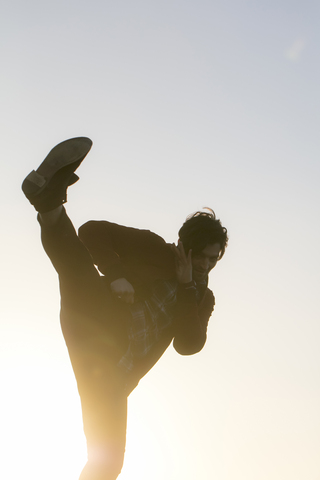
142,257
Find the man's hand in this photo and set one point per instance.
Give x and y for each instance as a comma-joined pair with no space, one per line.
123,289
183,263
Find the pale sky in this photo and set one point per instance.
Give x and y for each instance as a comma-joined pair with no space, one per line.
189,104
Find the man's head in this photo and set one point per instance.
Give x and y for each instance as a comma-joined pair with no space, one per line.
203,233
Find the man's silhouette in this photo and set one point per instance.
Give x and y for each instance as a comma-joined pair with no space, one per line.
118,323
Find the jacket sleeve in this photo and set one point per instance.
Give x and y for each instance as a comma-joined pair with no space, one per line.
118,250
101,239
191,320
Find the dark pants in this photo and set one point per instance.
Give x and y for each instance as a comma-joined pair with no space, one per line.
94,325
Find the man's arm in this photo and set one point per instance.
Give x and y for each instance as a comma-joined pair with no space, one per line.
121,251
191,319
102,240
99,239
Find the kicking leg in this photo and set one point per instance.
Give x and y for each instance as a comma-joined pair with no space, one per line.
51,217
88,313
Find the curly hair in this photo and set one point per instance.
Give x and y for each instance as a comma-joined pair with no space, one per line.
201,229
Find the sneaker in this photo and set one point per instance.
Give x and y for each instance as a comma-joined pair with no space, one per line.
46,188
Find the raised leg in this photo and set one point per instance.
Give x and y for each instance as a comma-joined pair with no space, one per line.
94,324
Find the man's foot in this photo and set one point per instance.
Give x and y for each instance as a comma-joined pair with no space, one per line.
46,188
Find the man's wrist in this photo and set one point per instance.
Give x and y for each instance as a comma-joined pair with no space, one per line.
187,285
187,278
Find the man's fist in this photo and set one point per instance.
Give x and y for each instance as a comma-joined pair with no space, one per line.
123,289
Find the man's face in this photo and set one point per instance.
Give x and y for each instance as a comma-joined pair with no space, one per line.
204,261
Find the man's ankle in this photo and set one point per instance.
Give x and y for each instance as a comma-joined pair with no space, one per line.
51,218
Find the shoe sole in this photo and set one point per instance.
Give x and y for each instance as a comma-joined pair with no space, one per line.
64,154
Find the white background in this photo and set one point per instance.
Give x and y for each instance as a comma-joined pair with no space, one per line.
189,104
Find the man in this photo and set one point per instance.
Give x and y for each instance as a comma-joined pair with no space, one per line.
118,323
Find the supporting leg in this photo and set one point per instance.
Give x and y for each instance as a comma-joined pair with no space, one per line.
104,419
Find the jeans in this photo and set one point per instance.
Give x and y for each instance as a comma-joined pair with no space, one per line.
94,325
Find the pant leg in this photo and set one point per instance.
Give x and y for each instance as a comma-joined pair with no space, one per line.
88,309
104,411
81,287
94,327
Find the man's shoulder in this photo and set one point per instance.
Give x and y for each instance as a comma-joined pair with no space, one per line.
126,241
104,226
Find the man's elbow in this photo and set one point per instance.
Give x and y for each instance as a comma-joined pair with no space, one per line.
189,346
